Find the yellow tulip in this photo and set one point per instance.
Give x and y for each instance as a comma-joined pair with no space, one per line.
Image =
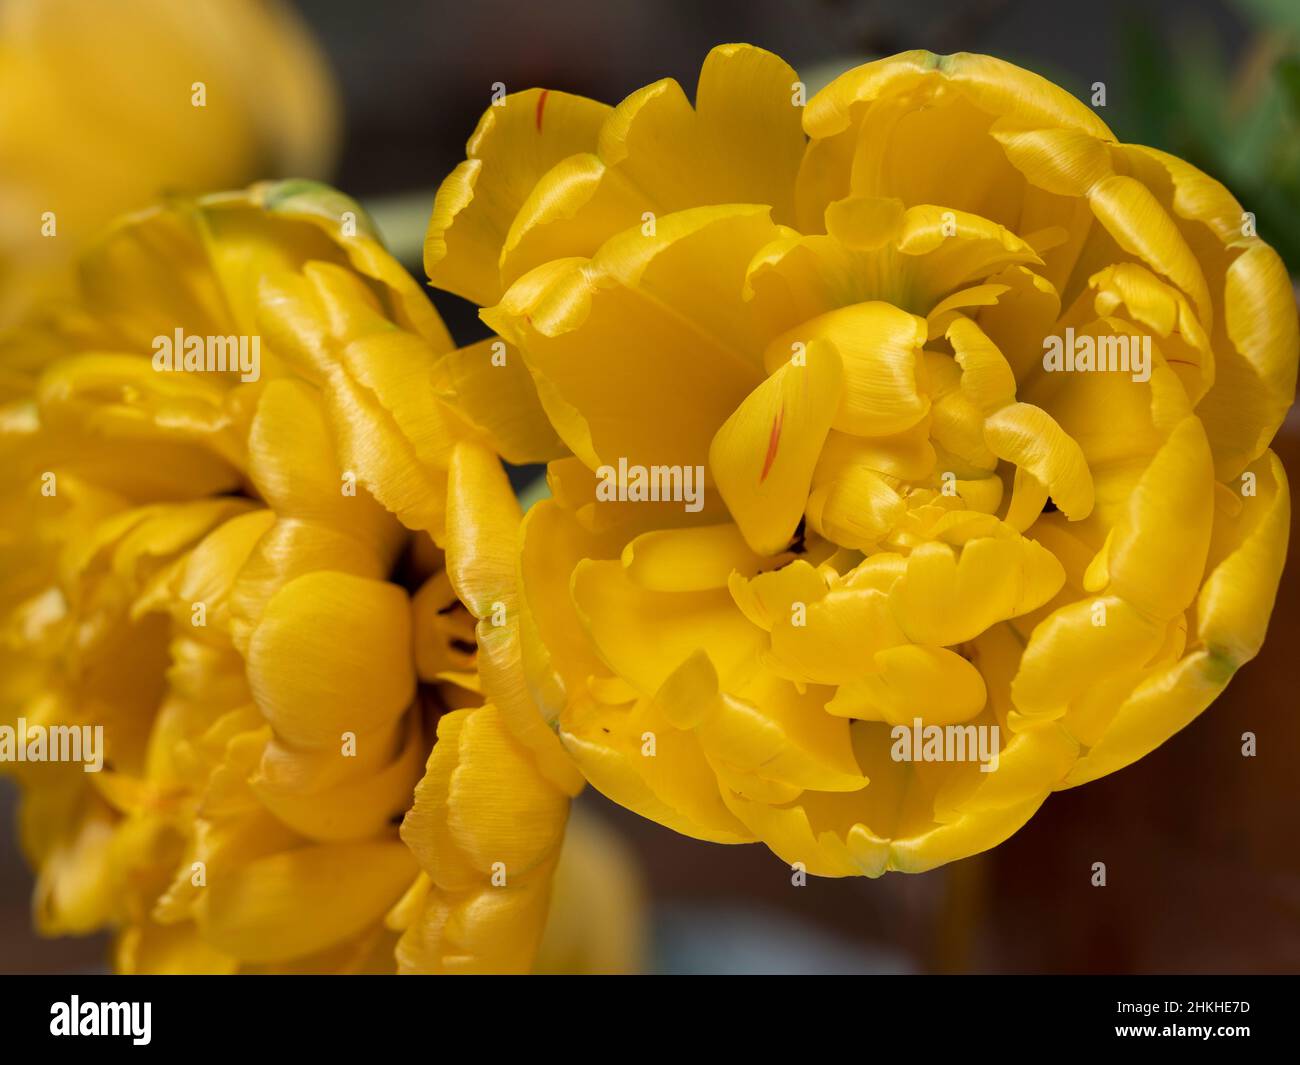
932,576
109,106
272,582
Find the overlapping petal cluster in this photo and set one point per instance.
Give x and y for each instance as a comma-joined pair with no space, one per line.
347,693
839,314
272,585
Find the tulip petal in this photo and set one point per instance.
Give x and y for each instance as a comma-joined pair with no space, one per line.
763,457
283,905
642,299
945,600
1029,437
643,635
332,655
488,384
517,140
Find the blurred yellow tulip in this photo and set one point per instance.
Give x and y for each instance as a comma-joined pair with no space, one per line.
271,585
109,106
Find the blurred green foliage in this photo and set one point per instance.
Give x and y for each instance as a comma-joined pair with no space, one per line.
1240,123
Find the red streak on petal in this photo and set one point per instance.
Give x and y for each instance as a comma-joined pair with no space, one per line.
773,441
541,106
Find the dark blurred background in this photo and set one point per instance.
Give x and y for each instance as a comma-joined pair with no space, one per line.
1201,845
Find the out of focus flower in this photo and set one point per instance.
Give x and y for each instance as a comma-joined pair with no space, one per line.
272,581
847,553
109,106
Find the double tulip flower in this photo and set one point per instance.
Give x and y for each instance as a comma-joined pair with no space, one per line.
240,581
364,757
841,311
